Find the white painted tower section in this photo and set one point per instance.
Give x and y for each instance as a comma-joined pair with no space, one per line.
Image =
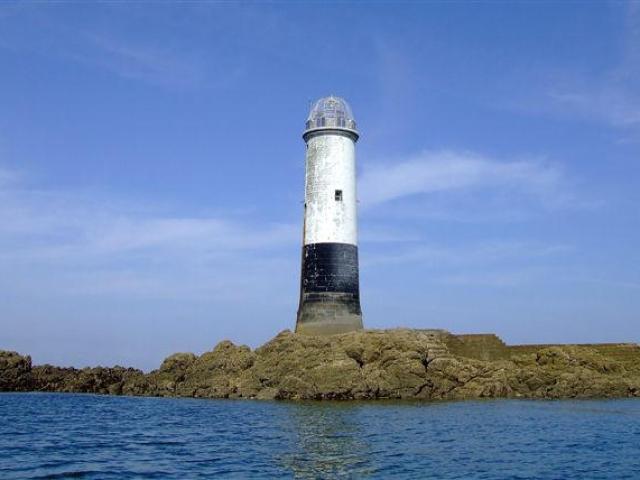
330,174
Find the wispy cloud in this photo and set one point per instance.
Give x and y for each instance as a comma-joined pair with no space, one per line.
461,185
611,103
132,54
488,279
446,170
613,97
485,264
468,255
79,242
139,62
84,243
492,264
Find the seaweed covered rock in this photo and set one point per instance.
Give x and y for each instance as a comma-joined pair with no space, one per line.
214,374
219,373
15,371
86,380
399,364
575,372
369,364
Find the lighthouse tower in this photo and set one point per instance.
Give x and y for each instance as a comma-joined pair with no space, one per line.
329,286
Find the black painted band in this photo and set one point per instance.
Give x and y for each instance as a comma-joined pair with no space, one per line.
330,267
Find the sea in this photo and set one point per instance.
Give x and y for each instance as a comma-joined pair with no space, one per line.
45,435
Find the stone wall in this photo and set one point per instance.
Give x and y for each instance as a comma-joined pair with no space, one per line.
481,346
490,347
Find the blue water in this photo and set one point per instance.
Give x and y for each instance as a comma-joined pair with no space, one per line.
87,436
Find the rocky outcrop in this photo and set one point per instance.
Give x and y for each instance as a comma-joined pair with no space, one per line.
17,374
48,378
390,364
14,371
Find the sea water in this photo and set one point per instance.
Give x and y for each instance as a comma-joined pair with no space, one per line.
88,436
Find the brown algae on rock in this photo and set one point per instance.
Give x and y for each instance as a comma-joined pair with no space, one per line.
367,364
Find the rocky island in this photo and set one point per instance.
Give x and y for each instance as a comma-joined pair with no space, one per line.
369,364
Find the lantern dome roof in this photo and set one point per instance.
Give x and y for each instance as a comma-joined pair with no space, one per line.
331,113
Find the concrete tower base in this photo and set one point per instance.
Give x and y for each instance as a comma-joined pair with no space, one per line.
329,313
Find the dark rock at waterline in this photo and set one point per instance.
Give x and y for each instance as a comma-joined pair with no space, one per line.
370,364
48,378
17,374
14,371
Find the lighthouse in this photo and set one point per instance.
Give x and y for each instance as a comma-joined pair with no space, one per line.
329,284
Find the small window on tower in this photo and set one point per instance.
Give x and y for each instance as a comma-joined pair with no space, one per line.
338,195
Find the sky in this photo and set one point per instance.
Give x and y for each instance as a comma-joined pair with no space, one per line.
152,170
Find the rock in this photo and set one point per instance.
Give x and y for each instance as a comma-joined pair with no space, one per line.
370,364
14,372
215,374
87,380
177,364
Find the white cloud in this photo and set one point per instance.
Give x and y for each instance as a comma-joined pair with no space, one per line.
124,234
614,104
611,97
586,91
139,62
487,279
467,255
492,264
446,170
78,242
127,53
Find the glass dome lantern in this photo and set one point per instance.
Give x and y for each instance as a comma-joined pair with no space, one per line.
331,113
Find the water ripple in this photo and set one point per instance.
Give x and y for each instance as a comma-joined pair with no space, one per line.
101,437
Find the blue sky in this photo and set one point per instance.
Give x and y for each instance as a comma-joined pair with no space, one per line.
152,166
